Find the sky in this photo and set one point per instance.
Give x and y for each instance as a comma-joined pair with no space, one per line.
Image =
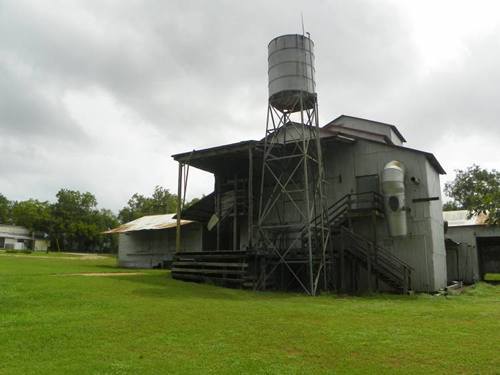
97,95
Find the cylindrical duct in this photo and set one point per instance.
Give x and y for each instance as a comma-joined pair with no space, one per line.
394,198
291,73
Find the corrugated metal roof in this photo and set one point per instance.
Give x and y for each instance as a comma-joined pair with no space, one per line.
393,127
14,236
14,229
151,222
459,218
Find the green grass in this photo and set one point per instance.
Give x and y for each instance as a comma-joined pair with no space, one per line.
492,277
151,324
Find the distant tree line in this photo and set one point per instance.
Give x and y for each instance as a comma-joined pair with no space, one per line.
74,223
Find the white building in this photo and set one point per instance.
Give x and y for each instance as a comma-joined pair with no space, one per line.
14,237
149,242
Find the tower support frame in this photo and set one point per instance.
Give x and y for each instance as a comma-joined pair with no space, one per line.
292,224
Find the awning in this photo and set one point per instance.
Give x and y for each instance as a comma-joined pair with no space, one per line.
151,222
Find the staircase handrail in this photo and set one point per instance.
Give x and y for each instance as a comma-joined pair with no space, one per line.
380,250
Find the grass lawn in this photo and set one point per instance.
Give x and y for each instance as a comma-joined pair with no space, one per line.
150,324
492,277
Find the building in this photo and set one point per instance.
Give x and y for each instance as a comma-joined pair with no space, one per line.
344,207
149,242
15,237
380,239
472,246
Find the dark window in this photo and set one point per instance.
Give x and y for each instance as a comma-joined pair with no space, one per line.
364,186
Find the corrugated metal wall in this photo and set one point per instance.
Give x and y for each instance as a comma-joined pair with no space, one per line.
423,248
150,248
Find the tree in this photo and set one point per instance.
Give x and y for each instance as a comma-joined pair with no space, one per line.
161,202
32,214
105,220
451,206
478,191
5,210
78,224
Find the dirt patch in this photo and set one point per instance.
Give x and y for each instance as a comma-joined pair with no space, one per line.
102,274
73,257
87,256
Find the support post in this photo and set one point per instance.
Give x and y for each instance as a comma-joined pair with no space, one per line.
374,226
349,210
235,213
217,209
250,197
342,263
369,267
179,208
405,282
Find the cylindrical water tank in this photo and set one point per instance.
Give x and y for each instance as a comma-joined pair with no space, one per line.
291,73
393,186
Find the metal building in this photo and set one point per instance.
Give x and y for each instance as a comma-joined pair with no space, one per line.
365,255
342,207
149,242
472,246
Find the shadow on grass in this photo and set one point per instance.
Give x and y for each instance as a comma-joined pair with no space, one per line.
161,285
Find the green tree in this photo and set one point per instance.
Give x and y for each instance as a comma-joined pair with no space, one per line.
32,214
105,220
451,206
78,224
161,202
478,191
5,210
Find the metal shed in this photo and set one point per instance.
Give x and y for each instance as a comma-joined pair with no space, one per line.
478,244
149,242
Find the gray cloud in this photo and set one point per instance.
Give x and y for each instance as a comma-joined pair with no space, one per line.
179,75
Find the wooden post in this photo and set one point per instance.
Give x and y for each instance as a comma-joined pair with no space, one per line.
405,282
263,272
369,267
250,197
217,209
349,209
235,213
374,226
342,263
179,208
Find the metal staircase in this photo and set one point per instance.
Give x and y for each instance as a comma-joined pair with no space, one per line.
349,251
375,259
358,249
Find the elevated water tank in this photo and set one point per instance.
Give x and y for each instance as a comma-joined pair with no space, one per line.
393,186
291,72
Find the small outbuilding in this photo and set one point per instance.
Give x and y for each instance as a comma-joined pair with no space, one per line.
15,237
472,246
149,242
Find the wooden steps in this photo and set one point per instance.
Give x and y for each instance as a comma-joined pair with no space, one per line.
226,268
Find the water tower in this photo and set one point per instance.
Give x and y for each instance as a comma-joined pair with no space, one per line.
292,225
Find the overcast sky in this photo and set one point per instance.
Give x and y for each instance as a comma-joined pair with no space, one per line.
96,95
